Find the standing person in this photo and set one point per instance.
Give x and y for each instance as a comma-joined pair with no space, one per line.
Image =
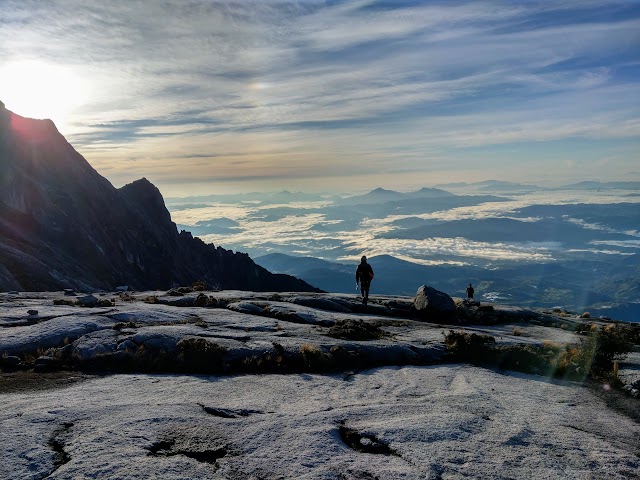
470,292
364,275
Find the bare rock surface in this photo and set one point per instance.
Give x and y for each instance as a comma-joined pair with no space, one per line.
444,421
333,415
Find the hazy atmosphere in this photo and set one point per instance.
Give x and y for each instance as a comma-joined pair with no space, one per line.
220,97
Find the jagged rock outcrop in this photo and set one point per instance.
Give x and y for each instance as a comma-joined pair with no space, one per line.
64,225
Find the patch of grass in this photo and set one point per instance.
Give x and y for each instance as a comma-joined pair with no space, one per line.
122,325
517,332
126,297
355,330
201,323
594,357
65,301
313,358
199,286
467,346
585,315
152,299
274,361
583,328
200,355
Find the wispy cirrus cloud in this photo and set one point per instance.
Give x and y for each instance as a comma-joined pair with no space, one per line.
303,90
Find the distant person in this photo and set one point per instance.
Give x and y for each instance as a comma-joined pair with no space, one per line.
364,275
470,292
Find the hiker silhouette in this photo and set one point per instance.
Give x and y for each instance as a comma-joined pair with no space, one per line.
470,292
364,275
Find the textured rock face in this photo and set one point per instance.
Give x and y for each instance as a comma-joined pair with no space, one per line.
64,225
431,303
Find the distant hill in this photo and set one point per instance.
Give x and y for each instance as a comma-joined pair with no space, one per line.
392,275
380,195
597,185
63,225
582,284
493,186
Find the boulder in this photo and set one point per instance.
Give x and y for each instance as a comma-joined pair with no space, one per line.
88,301
32,312
431,304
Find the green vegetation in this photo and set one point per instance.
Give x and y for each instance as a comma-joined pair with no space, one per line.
594,357
355,330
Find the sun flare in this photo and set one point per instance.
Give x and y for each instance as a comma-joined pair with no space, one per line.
41,90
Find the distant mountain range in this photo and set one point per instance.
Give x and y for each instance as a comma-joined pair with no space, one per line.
500,186
63,225
380,195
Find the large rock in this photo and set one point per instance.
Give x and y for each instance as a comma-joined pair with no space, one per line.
434,305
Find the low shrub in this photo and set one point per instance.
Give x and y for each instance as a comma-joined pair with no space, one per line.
467,346
65,301
126,297
594,357
313,358
355,330
200,355
199,286
121,325
584,328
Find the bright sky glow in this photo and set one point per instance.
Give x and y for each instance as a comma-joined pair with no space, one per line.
219,96
38,89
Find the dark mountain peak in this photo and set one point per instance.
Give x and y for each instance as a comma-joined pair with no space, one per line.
35,130
64,225
142,188
146,198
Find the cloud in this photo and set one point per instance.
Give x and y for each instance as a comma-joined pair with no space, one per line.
303,90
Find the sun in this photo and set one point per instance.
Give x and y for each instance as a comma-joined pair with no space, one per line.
38,89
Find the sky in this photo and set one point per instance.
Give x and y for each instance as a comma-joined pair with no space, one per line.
208,97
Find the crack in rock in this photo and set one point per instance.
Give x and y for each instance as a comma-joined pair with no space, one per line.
167,448
364,443
56,442
192,441
229,413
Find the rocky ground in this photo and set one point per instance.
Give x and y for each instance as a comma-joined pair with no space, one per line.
234,384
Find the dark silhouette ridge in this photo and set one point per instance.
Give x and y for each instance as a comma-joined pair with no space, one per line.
63,225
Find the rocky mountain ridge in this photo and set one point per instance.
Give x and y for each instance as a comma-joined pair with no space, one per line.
63,225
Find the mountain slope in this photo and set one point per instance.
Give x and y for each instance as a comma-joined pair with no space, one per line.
64,225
